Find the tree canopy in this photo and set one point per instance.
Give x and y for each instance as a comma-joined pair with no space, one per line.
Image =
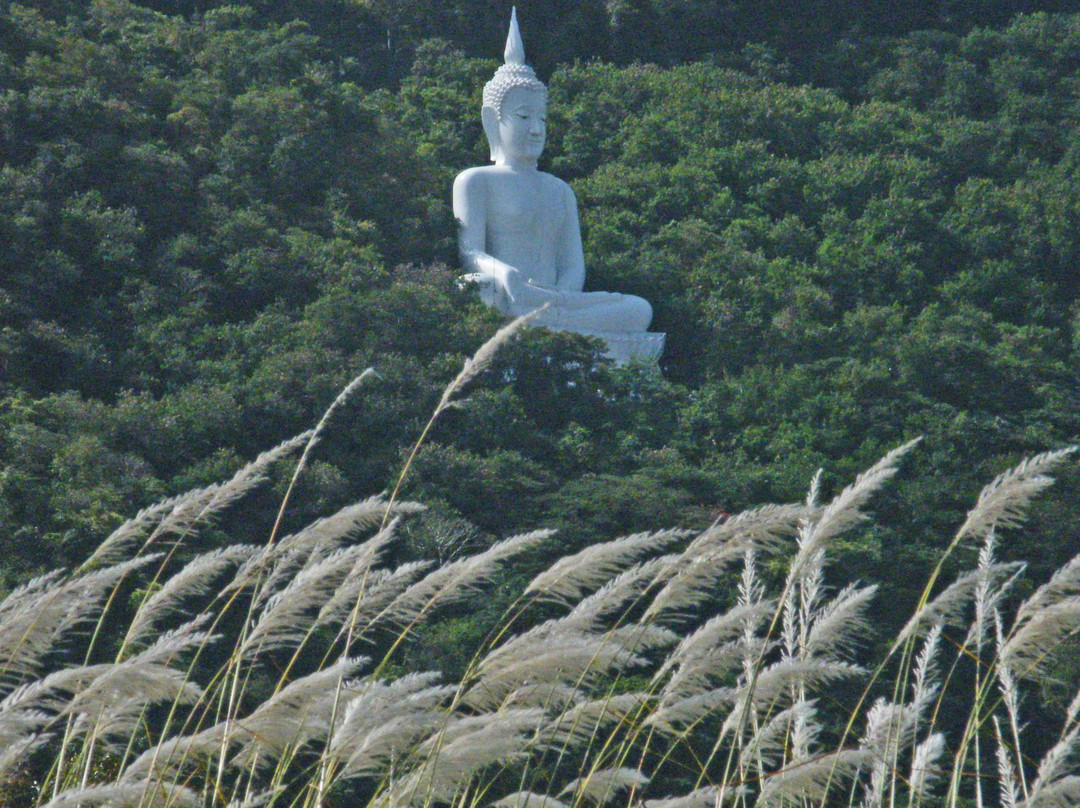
857,224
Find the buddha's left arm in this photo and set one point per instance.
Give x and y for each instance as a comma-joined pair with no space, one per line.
570,258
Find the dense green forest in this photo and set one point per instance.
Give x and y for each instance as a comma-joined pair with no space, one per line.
857,222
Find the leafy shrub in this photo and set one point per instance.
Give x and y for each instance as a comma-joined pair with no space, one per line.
716,665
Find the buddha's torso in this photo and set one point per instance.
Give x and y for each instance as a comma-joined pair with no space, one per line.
526,221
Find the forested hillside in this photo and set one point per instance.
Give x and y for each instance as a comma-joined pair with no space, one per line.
856,229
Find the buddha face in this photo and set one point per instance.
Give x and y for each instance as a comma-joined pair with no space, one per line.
522,126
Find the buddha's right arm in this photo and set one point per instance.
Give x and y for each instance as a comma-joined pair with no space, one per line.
470,206
491,267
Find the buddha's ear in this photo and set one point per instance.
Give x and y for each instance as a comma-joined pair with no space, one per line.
490,118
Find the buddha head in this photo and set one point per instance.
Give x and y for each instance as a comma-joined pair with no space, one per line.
515,105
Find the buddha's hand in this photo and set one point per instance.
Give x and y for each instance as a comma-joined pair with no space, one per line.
507,279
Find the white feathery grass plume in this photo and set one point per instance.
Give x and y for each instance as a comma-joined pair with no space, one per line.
124,540
890,728
775,684
133,680
716,632
552,696
1030,649
483,357
926,769
171,645
1051,613
791,627
392,740
451,758
112,708
1003,502
388,694
610,598
813,495
642,637
674,716
810,588
983,602
370,702
773,738
382,721
297,714
599,787
377,512
112,728
127,795
283,561
948,607
529,799
452,582
569,578
804,737
989,592
542,638
1062,793
1010,692
287,616
567,659
846,510
840,623
705,561
167,758
43,623
775,679
1064,583
768,529
1071,712
16,725
751,590
179,515
256,800
369,595
193,581
700,673
924,682
806,780
28,591
255,472
19,750
693,582
326,534
705,797
52,692
579,725
1008,784
1054,787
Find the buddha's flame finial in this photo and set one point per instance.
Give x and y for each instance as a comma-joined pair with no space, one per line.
515,48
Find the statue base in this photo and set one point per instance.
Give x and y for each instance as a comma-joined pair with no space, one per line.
623,347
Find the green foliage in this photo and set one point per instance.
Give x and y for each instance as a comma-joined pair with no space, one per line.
212,221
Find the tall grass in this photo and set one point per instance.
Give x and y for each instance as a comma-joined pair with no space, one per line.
672,669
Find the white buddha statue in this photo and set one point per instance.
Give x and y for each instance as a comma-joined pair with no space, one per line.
519,232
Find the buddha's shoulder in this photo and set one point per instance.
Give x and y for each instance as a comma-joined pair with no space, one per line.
553,182
474,176
483,176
